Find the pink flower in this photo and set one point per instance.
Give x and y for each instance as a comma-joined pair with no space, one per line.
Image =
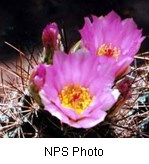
50,36
77,90
114,40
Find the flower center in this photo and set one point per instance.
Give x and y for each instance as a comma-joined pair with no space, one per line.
108,50
75,97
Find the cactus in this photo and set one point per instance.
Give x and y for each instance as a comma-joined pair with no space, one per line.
22,112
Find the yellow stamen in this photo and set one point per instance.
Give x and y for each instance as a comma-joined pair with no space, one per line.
76,97
108,50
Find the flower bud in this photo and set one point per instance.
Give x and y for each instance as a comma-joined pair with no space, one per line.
124,86
50,36
37,80
38,76
51,40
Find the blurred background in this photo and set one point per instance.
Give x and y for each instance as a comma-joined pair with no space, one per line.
22,22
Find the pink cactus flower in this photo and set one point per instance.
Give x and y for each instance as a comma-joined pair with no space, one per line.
77,90
50,36
114,40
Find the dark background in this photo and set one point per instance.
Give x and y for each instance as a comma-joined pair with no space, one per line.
22,21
